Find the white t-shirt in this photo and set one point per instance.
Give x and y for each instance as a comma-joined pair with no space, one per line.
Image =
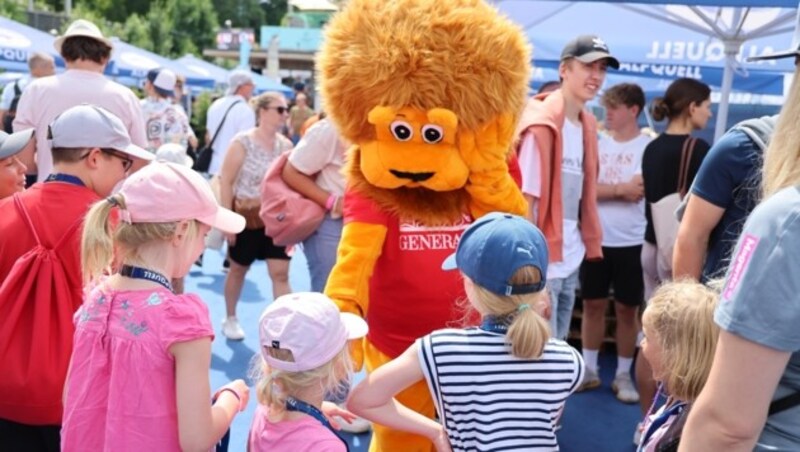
623,222
571,191
240,118
47,97
321,152
8,91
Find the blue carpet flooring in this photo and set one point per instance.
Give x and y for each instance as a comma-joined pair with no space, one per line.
593,421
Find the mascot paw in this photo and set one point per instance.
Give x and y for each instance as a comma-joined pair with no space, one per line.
487,149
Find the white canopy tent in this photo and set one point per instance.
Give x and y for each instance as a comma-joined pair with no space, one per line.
731,22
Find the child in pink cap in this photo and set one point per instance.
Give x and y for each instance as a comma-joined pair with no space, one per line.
138,379
305,356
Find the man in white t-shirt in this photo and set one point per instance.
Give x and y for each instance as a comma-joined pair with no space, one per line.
86,53
620,193
559,163
234,110
39,65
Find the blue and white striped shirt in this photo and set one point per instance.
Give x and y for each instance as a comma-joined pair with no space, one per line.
488,399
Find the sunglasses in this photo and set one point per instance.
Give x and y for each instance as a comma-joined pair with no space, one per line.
127,162
281,110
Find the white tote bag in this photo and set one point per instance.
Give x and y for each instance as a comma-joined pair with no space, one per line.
215,238
665,222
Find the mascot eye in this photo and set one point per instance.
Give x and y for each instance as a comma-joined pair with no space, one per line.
401,130
432,134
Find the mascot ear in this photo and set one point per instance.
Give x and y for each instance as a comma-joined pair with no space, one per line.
381,115
443,117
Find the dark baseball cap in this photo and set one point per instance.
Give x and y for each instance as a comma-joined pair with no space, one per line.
494,247
588,49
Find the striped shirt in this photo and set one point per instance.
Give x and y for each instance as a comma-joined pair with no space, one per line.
489,400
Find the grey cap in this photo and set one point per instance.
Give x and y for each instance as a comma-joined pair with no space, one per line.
238,78
90,126
13,144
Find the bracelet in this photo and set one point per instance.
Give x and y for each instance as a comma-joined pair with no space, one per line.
331,202
232,391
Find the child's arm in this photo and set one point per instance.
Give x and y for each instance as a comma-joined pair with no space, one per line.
201,425
373,399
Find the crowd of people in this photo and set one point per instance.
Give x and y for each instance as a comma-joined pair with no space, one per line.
103,350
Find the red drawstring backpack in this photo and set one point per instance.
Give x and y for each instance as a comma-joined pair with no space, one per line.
36,330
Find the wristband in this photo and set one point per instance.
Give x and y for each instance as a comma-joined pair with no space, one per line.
232,391
331,202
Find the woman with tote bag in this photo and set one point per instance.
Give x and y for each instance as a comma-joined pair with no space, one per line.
669,165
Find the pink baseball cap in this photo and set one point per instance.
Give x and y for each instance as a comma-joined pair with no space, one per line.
163,192
310,326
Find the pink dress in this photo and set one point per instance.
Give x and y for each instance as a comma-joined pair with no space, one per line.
121,384
301,435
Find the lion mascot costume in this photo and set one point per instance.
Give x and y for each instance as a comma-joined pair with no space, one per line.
428,92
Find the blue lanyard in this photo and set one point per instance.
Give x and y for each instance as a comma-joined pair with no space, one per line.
142,273
66,178
497,325
293,404
660,420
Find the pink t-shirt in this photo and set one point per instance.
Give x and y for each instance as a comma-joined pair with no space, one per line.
121,384
47,97
302,435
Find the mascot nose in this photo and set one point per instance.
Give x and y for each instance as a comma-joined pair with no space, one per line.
414,177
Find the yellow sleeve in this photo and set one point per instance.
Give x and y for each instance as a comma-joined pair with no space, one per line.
359,249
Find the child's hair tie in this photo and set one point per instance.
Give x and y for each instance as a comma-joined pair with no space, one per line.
113,201
523,307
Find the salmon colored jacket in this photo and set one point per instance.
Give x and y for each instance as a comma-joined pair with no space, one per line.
544,117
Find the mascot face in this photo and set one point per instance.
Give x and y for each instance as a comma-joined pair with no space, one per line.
413,148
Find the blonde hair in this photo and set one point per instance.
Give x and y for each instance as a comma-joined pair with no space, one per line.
264,100
528,331
101,240
274,385
780,159
681,317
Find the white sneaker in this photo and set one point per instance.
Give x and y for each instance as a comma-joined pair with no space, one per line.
624,389
591,380
232,330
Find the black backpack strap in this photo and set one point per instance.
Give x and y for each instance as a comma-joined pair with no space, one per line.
222,123
784,403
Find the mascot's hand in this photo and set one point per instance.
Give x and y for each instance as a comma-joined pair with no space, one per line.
486,149
490,185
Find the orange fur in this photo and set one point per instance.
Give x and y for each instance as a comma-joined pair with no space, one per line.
455,54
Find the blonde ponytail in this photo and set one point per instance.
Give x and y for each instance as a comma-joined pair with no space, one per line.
529,331
101,241
97,245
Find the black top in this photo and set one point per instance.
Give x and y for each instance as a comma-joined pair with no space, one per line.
660,166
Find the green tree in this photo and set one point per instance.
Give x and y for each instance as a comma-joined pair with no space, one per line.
194,25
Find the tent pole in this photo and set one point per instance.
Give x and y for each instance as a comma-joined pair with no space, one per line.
732,47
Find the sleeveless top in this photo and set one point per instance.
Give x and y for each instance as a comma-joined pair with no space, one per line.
257,161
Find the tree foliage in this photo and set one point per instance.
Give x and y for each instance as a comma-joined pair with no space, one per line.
170,28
